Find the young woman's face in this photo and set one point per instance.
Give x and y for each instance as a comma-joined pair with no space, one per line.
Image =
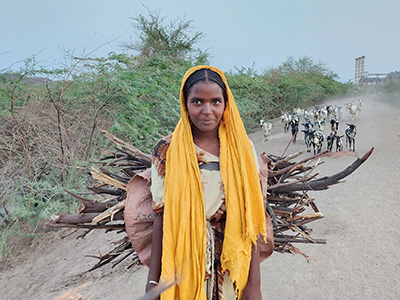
206,105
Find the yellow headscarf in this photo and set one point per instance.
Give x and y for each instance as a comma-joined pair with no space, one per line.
184,233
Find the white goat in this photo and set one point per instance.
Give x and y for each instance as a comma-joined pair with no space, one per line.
352,110
286,118
359,107
337,112
299,112
267,127
308,115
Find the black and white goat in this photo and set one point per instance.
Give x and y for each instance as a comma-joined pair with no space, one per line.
308,136
317,141
329,141
308,124
329,110
339,142
294,125
267,127
320,114
334,126
351,132
319,125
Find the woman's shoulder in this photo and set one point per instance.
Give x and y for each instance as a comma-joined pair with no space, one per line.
161,147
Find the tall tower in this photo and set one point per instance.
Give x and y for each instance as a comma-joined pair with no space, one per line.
359,69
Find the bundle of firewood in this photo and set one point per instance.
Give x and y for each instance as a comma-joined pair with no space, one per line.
288,202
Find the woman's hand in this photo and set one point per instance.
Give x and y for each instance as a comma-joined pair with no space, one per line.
252,291
150,286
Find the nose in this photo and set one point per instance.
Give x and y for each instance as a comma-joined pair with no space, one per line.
206,109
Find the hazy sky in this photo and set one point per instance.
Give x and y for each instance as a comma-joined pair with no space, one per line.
238,32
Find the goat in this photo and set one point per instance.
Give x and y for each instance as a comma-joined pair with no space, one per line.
329,110
308,135
339,143
336,113
319,125
334,125
294,117
299,112
267,127
359,107
308,124
295,129
329,140
351,132
307,115
285,119
321,114
317,141
352,110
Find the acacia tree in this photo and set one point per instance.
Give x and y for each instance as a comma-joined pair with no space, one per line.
174,38
305,65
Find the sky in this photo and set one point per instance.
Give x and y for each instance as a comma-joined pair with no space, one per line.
238,33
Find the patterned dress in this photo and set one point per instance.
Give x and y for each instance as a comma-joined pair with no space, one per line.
218,285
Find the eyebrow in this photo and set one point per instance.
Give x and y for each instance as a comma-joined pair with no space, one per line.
198,98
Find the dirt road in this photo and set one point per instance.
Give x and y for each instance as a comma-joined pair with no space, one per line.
361,259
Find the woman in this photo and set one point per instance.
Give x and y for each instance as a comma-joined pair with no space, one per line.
207,196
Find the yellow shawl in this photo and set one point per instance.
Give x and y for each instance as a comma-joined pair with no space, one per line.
184,233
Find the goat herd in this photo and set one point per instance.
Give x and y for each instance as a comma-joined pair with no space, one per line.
314,123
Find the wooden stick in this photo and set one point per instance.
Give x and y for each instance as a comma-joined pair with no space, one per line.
127,146
87,226
111,212
325,182
81,218
296,239
98,175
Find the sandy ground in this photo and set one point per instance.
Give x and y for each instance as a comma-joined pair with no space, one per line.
361,259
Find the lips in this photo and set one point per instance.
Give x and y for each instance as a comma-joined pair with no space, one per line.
207,121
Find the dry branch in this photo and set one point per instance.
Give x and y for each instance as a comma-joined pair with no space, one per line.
103,178
128,147
325,182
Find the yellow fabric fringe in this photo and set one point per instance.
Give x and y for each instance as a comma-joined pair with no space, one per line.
184,233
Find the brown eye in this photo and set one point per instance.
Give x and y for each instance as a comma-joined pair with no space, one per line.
217,101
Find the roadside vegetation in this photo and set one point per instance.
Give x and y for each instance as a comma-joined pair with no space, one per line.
51,118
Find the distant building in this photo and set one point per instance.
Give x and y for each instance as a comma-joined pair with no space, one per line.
359,68
393,76
363,77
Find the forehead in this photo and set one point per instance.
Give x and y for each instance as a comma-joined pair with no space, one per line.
205,87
